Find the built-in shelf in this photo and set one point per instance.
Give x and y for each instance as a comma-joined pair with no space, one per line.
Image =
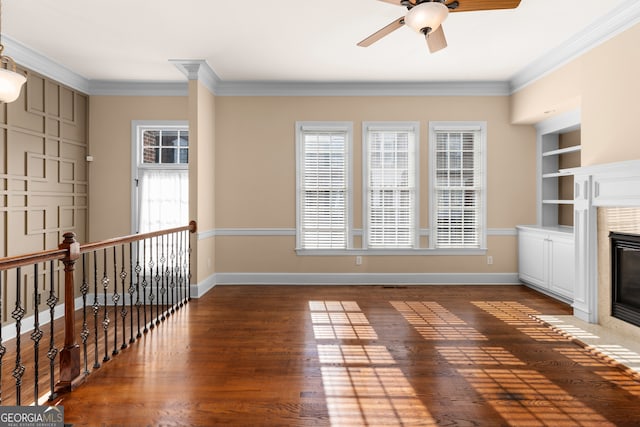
561,151
557,202
556,174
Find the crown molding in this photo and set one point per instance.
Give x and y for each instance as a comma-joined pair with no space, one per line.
198,69
132,88
463,88
35,61
619,20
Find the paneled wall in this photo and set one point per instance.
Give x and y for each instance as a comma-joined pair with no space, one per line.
43,176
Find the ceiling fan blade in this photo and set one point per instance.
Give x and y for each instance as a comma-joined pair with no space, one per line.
382,32
436,40
398,2
472,5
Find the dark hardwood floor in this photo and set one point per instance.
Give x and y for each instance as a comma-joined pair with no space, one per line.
363,355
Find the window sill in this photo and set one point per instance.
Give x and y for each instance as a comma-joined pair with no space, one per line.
390,252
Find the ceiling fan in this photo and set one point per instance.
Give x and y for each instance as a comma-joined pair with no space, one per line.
426,17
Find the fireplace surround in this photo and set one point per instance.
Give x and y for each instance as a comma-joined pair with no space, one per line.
602,195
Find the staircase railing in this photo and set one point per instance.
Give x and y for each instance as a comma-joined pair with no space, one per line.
127,287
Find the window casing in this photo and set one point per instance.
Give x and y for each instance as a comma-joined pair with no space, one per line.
323,153
390,193
457,177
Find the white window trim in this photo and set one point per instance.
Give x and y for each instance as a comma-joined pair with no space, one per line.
324,126
458,126
136,128
390,126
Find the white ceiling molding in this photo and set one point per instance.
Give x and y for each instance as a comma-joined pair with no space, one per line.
362,89
198,69
128,88
616,22
35,61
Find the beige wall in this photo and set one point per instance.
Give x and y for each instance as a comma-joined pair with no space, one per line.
202,124
610,109
110,145
603,83
255,178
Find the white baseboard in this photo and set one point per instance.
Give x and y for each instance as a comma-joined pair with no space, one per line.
366,278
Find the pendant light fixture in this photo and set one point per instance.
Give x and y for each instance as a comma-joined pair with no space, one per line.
10,80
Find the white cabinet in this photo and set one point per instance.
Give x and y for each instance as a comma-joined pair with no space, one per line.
546,259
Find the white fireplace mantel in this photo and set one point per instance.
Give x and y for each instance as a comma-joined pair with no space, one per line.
608,185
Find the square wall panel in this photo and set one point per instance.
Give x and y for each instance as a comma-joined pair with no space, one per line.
52,97
36,167
67,104
35,221
35,94
66,171
66,218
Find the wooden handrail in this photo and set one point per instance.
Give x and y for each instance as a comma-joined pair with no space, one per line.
88,247
30,259
68,252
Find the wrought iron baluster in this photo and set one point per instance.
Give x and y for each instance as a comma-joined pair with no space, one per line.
144,284
157,280
188,267
115,298
132,290
96,310
52,300
163,278
36,334
152,296
180,261
17,314
172,262
123,311
138,269
84,333
3,349
105,319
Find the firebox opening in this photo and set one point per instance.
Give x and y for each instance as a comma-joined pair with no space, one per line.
625,277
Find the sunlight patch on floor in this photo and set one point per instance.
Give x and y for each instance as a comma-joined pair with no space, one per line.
604,343
361,384
525,397
434,322
479,356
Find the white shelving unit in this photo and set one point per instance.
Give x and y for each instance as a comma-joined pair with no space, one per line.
546,250
552,177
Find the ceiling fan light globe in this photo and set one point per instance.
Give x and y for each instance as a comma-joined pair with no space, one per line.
10,85
426,15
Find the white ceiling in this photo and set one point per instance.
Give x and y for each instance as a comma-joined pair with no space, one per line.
292,41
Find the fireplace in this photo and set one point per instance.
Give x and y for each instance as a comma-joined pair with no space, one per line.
625,277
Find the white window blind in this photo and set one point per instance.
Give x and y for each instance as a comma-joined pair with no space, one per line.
458,187
323,187
390,186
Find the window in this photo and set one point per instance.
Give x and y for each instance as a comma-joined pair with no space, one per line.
457,175
390,185
323,185
164,146
160,196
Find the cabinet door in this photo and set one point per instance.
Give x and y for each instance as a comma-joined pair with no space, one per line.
562,268
532,258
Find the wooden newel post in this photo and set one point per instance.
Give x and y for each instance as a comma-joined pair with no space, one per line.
70,376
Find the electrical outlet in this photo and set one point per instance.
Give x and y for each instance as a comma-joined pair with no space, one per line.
358,260
489,259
